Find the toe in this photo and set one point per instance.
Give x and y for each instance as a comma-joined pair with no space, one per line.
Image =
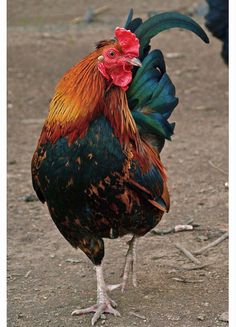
112,287
113,303
111,310
79,312
104,308
100,310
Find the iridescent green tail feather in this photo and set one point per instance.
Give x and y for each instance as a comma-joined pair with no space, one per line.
151,95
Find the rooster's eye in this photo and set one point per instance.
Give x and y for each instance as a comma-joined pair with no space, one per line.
111,53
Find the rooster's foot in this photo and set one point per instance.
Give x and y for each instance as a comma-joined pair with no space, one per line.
98,309
104,303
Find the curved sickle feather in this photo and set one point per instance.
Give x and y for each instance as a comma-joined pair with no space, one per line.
165,21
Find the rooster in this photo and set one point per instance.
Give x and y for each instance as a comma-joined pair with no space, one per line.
94,165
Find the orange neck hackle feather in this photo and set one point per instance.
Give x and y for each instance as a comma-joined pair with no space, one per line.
82,95
78,98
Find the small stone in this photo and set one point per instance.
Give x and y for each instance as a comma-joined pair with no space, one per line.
103,317
73,261
205,304
201,317
224,317
30,198
201,203
20,315
202,238
12,162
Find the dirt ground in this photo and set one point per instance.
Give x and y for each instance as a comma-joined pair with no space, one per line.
47,279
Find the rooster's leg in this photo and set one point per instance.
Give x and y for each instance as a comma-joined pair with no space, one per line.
104,303
130,264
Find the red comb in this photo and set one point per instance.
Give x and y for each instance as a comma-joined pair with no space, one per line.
128,41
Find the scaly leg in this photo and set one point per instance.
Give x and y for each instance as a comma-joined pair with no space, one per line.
130,264
104,303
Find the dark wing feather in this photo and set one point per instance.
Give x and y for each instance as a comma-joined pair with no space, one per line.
92,164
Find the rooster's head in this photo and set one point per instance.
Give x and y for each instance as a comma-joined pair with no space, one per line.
118,57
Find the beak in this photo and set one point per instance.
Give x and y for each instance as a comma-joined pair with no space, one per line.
134,62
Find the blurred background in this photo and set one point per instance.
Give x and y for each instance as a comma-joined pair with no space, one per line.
47,279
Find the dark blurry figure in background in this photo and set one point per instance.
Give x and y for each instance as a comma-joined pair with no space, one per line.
217,20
